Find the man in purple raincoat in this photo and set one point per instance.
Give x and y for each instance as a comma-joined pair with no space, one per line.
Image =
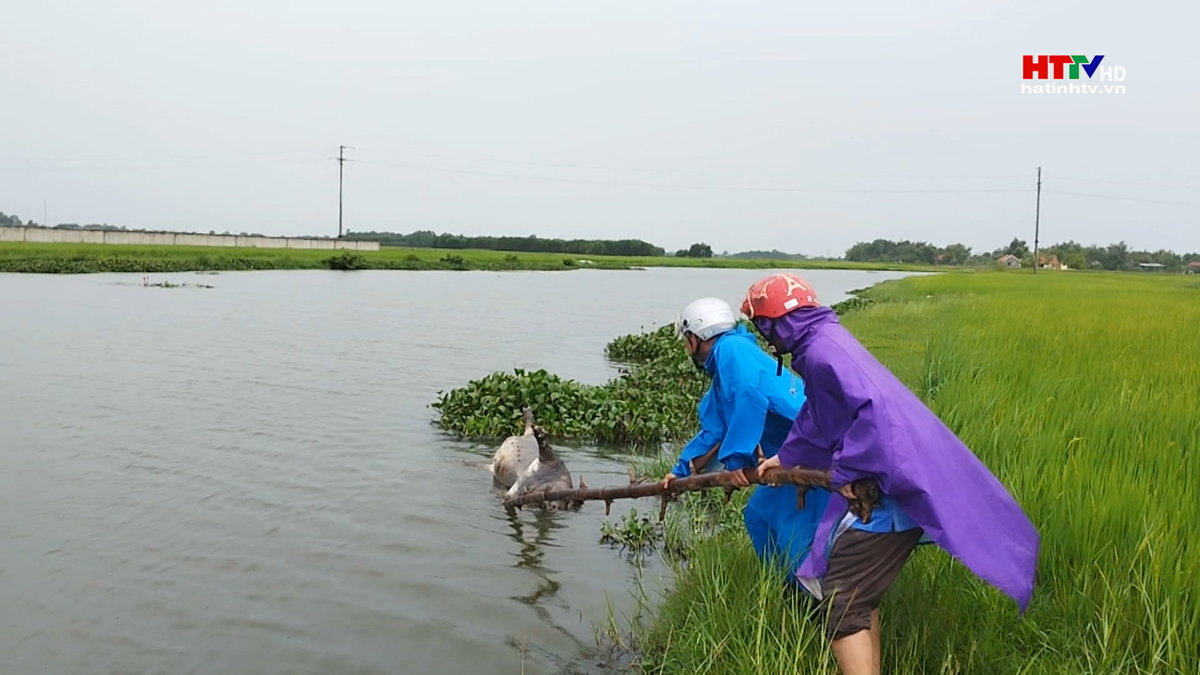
861,423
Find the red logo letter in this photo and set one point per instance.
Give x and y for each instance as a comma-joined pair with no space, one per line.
1041,66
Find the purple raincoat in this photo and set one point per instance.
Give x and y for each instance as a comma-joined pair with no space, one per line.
860,421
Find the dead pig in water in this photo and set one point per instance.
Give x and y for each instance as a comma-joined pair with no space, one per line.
546,472
515,455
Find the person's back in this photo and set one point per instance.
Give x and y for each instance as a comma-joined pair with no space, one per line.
747,413
912,454
740,368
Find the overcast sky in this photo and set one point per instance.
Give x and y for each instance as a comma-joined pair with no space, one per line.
778,124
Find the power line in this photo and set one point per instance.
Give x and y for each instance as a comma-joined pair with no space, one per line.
1128,182
277,157
125,167
1120,197
593,167
172,158
681,186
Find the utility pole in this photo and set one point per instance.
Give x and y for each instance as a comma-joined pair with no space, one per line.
1037,220
341,162
45,223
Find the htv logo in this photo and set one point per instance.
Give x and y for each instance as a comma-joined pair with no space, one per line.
1041,66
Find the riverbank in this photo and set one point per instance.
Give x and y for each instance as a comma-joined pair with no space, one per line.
1078,392
90,258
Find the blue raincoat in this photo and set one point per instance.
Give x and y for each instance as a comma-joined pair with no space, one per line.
748,406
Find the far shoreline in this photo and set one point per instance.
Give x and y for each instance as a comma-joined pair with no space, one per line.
53,258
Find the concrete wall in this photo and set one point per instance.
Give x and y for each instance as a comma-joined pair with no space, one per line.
52,236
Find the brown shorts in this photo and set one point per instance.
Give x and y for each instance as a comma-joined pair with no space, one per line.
862,565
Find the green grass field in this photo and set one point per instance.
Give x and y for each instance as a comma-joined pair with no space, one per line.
1082,394
85,258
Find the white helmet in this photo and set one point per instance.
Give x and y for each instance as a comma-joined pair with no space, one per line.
706,317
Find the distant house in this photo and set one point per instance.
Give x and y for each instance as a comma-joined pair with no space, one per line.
1193,268
1152,266
1010,260
1050,263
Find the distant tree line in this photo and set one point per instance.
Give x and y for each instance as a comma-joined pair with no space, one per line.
1075,255
773,254
905,251
530,244
122,228
93,226
11,221
699,250
14,221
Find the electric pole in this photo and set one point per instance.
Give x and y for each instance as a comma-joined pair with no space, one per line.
1037,220
341,162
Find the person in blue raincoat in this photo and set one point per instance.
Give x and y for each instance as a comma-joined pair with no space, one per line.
745,415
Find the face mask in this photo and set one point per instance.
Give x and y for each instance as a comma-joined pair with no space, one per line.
697,361
775,351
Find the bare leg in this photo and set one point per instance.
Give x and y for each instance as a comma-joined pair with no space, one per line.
855,654
859,654
875,639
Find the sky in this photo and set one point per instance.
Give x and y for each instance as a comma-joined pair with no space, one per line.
803,127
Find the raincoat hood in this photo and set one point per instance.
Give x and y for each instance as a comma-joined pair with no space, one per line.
793,331
859,421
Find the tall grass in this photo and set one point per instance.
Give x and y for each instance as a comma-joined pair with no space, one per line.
1080,392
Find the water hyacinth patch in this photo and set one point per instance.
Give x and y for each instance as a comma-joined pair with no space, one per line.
651,402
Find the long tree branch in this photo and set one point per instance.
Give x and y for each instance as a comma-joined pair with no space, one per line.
866,493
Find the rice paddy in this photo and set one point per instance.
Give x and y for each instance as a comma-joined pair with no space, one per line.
1080,392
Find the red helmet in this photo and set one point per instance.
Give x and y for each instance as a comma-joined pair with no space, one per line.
778,294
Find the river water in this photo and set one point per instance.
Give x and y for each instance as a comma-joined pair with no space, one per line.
246,479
